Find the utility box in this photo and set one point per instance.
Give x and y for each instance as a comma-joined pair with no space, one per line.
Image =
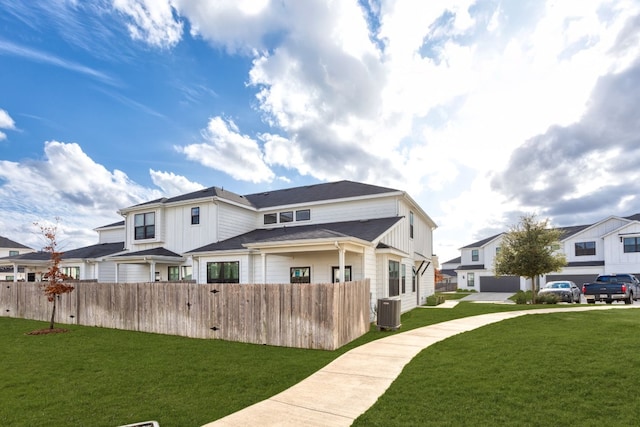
389,313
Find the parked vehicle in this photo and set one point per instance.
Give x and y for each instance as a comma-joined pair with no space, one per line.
612,287
565,290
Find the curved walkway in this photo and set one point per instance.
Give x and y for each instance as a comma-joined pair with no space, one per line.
344,389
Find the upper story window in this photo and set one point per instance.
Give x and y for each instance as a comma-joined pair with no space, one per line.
585,248
13,253
286,216
195,216
411,224
475,255
631,244
145,226
303,215
270,218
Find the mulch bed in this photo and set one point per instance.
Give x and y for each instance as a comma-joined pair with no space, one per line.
48,331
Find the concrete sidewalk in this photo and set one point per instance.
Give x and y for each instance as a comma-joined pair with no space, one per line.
344,389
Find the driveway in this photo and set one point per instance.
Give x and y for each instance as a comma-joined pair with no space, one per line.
489,297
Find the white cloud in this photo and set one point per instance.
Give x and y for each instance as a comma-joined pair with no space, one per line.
151,21
227,150
172,184
429,94
6,122
66,184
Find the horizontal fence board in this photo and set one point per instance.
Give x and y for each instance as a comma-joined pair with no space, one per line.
319,316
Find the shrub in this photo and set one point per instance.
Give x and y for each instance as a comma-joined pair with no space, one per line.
433,300
521,297
546,298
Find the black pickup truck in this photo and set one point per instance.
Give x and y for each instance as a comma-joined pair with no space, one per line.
612,287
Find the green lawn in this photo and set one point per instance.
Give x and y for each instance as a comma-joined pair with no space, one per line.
102,377
561,369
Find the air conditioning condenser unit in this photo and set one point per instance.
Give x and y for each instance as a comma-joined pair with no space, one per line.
389,313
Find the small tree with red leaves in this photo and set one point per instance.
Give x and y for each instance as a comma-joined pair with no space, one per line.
54,286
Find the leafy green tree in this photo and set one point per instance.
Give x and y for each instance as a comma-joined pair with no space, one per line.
527,250
54,286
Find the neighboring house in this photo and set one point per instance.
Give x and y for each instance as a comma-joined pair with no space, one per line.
611,245
448,271
86,263
10,248
322,233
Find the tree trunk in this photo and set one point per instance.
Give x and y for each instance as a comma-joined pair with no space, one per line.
53,313
533,290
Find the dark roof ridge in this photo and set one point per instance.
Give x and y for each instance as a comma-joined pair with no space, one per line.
8,243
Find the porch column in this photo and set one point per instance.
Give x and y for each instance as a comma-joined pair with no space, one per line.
263,257
15,272
152,271
195,269
341,252
117,271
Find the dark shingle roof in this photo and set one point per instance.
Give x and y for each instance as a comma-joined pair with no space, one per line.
367,230
314,193
87,252
571,230
287,196
210,192
482,242
456,260
94,251
8,243
31,256
115,224
154,251
471,267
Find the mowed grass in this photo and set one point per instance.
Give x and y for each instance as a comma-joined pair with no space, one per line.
103,377
560,369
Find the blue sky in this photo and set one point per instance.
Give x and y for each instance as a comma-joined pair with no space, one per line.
481,110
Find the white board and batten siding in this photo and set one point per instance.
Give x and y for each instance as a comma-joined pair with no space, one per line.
111,235
591,234
182,236
616,260
233,221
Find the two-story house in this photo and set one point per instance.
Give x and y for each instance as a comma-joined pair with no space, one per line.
611,245
338,231
8,248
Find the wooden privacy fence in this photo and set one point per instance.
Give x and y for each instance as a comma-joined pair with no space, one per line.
318,316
